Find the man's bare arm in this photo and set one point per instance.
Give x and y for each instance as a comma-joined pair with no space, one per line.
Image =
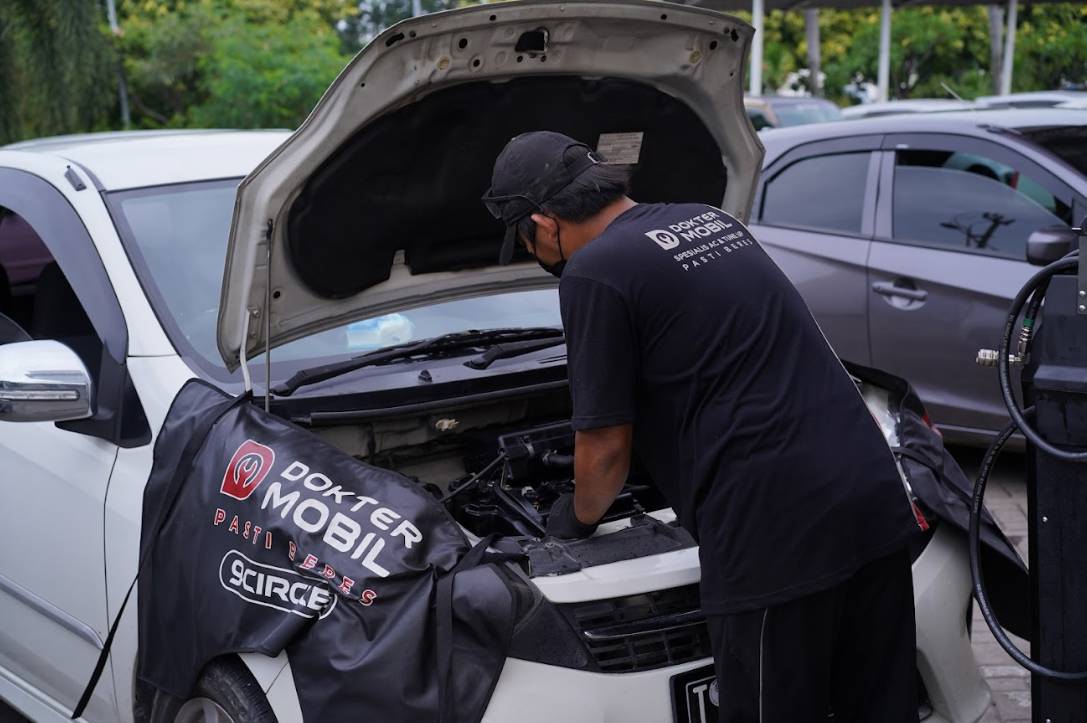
601,464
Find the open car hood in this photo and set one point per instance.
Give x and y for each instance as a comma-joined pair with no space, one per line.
373,205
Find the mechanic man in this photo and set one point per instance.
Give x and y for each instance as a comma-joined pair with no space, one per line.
686,342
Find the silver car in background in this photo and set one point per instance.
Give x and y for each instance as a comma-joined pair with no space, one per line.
775,111
1034,99
907,236
912,105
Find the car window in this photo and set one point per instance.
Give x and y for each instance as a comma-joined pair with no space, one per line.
176,237
758,119
969,202
36,298
822,193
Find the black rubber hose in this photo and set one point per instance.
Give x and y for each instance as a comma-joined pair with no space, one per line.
1036,302
554,459
491,465
1036,283
976,506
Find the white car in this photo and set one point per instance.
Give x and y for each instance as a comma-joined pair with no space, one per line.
361,230
1035,99
914,105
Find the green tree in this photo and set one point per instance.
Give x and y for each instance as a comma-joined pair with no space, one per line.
253,63
230,63
373,16
56,68
1051,49
266,75
161,47
932,46
786,47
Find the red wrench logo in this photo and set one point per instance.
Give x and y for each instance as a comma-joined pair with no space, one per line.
247,469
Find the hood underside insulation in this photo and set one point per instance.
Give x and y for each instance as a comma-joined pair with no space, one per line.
412,180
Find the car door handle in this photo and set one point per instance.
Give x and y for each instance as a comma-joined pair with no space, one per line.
886,288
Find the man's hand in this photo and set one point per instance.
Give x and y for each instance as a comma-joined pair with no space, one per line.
564,524
601,465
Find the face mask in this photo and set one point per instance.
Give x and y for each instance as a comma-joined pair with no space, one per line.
556,268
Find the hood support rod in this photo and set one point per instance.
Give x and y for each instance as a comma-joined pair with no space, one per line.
251,312
268,318
243,362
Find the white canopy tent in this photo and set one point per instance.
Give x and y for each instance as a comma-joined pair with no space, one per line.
759,8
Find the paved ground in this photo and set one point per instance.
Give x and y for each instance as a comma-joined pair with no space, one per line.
1007,499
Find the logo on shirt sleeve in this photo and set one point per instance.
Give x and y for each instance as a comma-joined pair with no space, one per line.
665,239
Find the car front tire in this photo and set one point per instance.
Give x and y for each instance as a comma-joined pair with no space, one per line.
225,693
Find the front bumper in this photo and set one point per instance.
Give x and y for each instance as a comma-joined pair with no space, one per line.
953,685
535,693
530,692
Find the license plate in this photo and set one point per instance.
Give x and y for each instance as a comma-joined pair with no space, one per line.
691,696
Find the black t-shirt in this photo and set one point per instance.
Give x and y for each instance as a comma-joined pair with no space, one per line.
678,322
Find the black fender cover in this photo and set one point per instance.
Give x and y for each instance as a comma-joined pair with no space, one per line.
945,492
943,489
262,538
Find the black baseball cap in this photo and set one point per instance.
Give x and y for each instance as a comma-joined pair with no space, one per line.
529,171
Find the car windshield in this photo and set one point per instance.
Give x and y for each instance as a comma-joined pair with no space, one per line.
176,237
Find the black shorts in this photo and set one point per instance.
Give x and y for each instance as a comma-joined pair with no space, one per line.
847,654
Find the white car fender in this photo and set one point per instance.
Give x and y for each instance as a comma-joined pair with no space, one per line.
281,693
157,381
941,595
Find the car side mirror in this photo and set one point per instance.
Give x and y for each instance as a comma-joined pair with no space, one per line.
43,381
1046,245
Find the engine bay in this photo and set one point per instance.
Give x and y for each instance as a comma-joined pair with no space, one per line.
497,467
512,494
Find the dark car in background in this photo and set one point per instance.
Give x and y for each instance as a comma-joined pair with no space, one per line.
25,254
773,111
907,236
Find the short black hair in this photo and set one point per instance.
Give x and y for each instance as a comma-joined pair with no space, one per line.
598,187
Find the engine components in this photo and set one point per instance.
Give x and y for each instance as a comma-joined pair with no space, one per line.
512,495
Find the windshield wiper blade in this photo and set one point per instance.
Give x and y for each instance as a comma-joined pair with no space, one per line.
435,346
512,349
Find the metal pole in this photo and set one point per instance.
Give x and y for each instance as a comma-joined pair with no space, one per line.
416,8
811,23
757,12
883,79
122,84
111,15
1009,48
996,45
